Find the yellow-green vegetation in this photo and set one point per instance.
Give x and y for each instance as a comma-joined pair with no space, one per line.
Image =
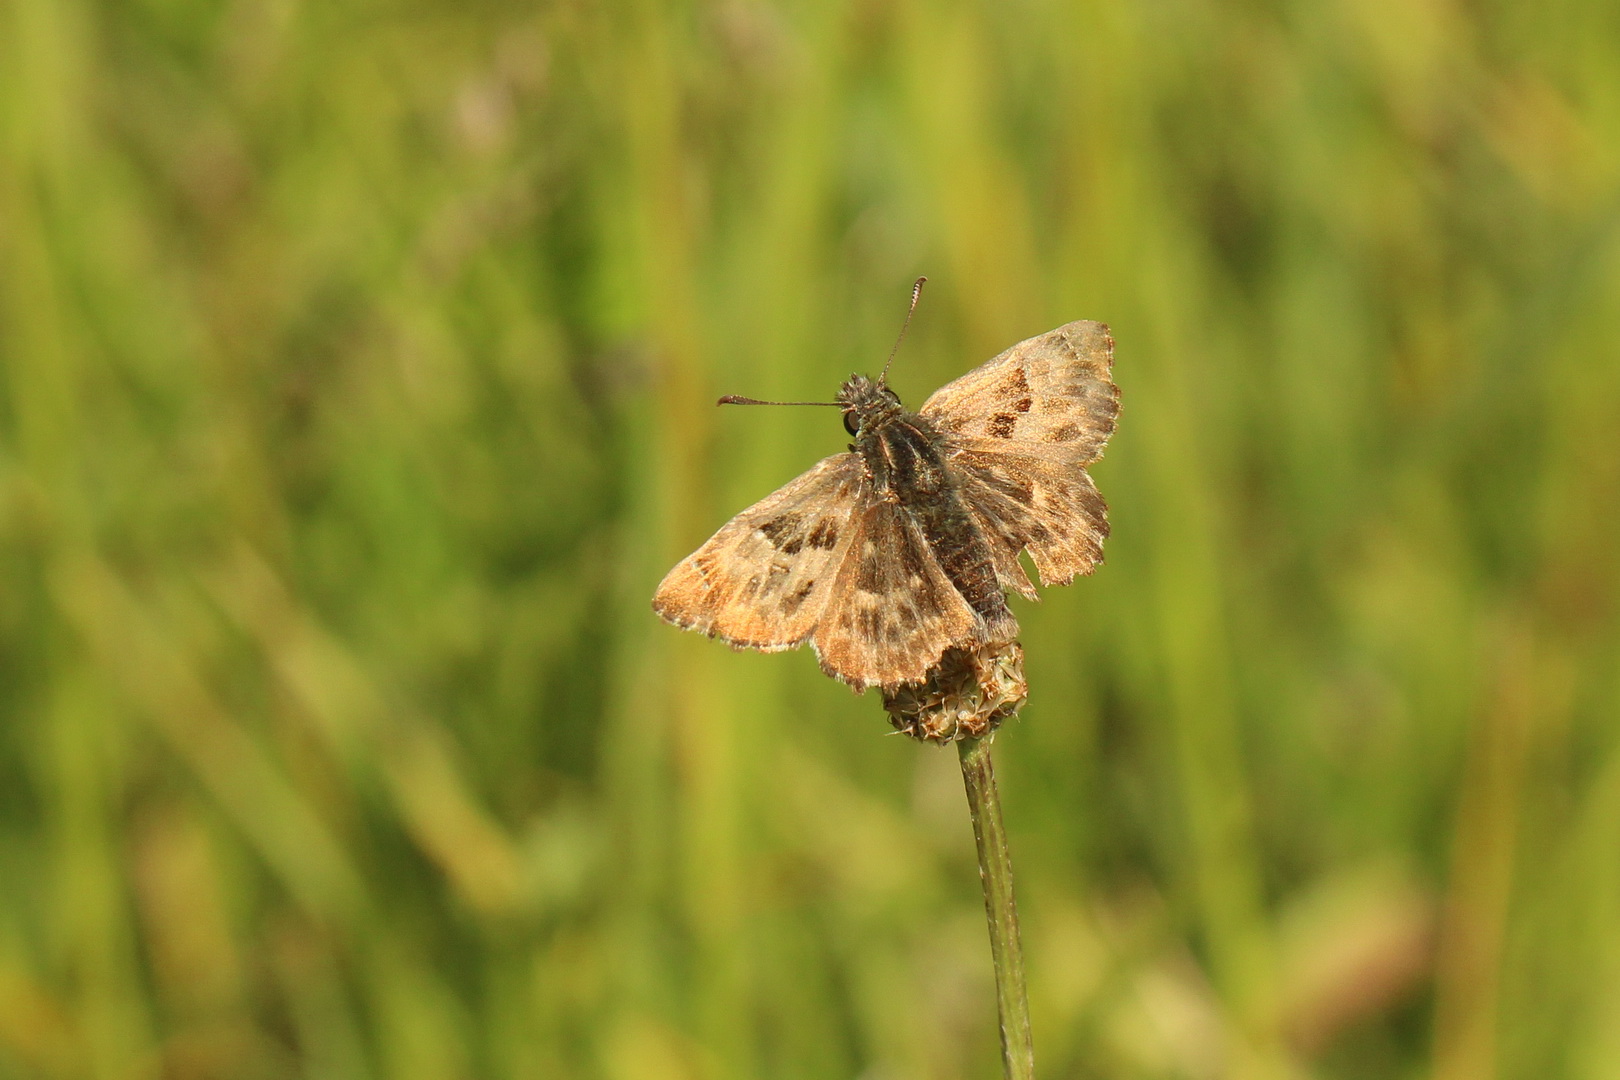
357,363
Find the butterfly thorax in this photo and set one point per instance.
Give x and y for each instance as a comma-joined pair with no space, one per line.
906,460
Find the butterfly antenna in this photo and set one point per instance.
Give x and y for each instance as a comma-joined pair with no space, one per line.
916,291
733,399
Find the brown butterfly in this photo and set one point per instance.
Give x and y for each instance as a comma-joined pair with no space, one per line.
883,557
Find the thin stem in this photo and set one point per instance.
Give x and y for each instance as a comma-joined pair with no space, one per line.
995,873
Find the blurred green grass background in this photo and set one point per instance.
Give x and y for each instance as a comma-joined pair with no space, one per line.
356,375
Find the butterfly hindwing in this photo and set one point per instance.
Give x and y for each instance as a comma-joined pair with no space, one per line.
893,611
1051,508
762,581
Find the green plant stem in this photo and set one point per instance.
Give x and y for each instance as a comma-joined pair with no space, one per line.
995,874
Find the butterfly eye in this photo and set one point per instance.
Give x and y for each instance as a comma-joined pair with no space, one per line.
849,423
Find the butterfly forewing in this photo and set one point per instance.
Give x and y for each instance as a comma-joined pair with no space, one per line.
763,580
1049,396
1021,428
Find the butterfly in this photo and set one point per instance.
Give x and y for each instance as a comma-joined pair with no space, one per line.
883,557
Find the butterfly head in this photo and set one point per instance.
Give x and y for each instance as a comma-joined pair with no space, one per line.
866,403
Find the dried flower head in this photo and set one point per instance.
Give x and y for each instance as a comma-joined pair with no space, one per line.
966,695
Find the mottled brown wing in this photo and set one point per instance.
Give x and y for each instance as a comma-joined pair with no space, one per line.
1050,396
1021,428
892,612
763,580
1049,507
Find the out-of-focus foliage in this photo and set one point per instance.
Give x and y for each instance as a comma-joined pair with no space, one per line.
356,370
